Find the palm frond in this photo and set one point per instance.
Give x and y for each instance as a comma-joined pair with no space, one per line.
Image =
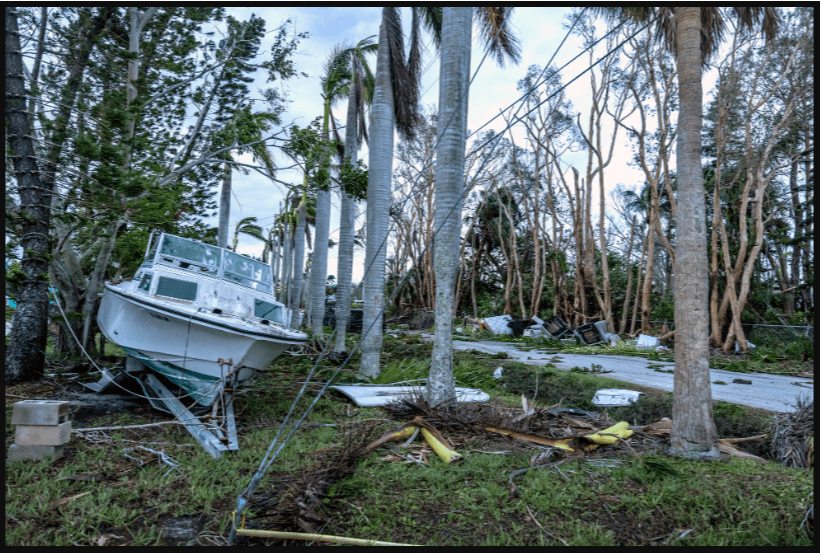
336,73
405,90
432,20
749,18
340,145
494,23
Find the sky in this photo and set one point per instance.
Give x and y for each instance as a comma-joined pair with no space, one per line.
494,88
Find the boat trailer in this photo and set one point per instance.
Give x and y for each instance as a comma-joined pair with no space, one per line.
213,427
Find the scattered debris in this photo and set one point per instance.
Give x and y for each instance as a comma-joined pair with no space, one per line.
436,440
726,447
793,442
647,341
498,373
64,500
498,324
367,395
606,335
663,428
741,381
615,397
749,345
588,334
558,328
297,507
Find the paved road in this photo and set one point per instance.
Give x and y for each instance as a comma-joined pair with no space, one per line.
767,391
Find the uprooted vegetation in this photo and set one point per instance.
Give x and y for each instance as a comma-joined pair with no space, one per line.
108,490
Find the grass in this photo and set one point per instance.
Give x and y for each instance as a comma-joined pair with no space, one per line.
140,502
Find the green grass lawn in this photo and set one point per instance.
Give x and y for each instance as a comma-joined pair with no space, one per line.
606,498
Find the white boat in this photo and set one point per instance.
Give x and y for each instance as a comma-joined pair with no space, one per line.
191,304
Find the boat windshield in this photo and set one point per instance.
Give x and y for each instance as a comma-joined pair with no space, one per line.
208,257
247,271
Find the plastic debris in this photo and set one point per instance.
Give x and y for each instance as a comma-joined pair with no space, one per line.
612,434
498,324
647,341
615,397
749,346
497,373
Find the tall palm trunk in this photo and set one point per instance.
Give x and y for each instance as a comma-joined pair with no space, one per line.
450,167
693,433
285,281
344,267
319,260
225,207
380,167
299,259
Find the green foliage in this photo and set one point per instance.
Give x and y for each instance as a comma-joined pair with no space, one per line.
14,276
354,179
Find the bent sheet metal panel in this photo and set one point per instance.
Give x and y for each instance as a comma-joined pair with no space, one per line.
377,395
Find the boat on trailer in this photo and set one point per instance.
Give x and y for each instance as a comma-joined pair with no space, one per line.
202,317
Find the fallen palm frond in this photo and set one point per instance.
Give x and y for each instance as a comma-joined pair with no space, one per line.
793,436
546,422
548,426
436,440
299,506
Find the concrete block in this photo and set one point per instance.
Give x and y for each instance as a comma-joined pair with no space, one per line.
43,435
39,413
34,452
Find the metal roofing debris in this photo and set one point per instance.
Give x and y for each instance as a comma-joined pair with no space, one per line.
366,395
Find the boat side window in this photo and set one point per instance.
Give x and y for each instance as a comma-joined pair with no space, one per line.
267,311
177,288
145,284
149,260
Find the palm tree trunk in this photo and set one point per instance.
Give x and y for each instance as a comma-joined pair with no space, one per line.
322,225
693,432
225,207
287,257
380,168
319,262
299,258
344,265
450,166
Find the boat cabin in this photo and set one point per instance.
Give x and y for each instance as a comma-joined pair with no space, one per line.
210,279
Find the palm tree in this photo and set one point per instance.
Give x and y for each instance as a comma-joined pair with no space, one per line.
335,82
395,100
693,35
454,75
360,92
247,226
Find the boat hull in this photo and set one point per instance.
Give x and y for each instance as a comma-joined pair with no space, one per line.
185,344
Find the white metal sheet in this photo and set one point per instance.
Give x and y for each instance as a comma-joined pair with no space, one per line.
377,395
